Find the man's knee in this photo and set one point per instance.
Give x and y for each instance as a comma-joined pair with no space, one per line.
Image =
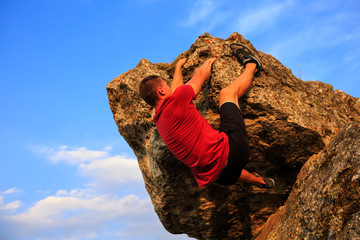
227,92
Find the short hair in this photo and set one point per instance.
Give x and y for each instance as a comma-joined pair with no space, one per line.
148,89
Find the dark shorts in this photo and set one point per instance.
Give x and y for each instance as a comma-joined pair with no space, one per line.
232,123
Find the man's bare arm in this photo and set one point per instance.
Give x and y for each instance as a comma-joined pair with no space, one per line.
201,75
178,77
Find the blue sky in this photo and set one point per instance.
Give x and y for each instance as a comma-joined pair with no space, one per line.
65,171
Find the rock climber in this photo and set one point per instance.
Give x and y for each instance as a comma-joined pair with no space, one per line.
213,156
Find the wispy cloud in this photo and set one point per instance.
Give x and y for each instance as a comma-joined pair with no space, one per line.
11,191
260,17
71,156
200,11
233,16
9,206
205,15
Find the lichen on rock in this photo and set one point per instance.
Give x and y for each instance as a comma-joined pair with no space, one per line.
288,120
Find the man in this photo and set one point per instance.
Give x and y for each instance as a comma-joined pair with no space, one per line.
212,155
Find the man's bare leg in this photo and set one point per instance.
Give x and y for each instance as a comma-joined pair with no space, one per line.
232,93
239,87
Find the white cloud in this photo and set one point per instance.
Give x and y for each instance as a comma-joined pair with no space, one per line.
102,168
75,211
111,171
70,209
9,206
70,156
11,191
81,213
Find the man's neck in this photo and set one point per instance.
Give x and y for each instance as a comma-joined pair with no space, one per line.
158,104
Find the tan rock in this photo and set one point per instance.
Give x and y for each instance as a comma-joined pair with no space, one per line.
288,120
325,201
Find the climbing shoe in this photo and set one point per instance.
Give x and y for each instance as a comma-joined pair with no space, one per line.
245,55
269,182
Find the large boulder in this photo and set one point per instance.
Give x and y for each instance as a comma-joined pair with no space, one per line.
288,120
325,201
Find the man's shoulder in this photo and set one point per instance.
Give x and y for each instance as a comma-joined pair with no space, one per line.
184,89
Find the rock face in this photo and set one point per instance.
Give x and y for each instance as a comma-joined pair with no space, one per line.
288,120
325,200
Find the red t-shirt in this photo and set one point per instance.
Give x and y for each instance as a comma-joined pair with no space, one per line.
190,137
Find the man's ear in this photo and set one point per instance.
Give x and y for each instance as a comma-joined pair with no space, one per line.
161,91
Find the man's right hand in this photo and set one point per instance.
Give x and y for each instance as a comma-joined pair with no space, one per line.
181,62
201,75
205,69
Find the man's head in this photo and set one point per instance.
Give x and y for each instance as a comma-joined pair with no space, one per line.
152,88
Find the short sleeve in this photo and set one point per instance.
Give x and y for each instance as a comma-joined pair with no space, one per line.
184,94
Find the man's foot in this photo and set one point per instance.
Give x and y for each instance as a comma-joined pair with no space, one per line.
245,55
269,182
